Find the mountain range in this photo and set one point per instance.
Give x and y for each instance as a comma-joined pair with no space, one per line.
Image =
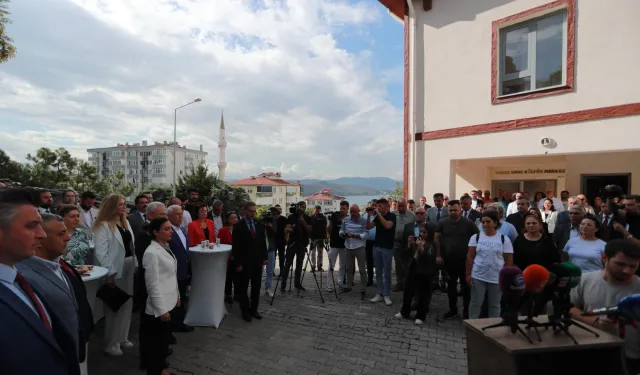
349,186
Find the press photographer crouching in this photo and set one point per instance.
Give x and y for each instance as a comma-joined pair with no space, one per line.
354,231
318,235
298,230
336,246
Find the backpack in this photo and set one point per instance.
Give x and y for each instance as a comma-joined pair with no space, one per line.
478,237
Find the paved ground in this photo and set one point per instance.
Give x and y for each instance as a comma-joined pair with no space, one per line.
301,335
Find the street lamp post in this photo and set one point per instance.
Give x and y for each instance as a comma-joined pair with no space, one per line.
175,140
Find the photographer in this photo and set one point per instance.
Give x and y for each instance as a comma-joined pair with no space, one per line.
269,220
336,246
318,235
298,229
281,240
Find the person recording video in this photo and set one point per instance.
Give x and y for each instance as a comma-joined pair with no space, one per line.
606,288
270,221
337,248
298,230
318,235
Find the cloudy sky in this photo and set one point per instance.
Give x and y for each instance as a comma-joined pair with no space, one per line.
311,88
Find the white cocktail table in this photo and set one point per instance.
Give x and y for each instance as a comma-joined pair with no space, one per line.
206,299
92,282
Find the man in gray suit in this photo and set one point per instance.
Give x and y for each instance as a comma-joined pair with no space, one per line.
438,211
88,213
45,273
564,232
138,219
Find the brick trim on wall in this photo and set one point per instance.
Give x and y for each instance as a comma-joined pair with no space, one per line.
632,109
407,134
570,5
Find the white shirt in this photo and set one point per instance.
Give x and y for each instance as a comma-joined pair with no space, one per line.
8,279
489,258
512,208
465,213
474,203
186,219
217,223
557,204
87,216
181,235
55,267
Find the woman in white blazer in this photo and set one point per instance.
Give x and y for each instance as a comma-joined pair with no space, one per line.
160,276
115,250
549,214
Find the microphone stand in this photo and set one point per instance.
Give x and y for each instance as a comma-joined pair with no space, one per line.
511,320
561,320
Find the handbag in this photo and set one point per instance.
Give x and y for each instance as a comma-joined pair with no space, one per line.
113,296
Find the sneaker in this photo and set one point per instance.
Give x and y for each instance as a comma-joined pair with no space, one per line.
268,292
387,301
400,316
377,298
126,344
450,315
419,322
114,351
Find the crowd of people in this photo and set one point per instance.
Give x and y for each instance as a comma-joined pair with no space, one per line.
462,243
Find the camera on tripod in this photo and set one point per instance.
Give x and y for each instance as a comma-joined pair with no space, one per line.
269,215
295,209
331,214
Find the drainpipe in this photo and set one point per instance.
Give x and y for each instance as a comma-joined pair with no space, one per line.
412,96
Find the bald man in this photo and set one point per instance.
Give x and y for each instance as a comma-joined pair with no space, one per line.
354,231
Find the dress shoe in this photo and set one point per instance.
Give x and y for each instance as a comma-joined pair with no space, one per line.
256,315
246,317
126,344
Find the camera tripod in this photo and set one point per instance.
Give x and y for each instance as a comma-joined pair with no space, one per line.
308,255
333,280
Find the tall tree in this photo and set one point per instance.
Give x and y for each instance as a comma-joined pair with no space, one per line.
160,193
233,197
12,170
7,49
399,192
51,168
200,179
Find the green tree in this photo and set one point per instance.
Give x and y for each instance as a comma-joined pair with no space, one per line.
200,179
160,193
7,49
234,197
113,183
398,193
51,168
12,170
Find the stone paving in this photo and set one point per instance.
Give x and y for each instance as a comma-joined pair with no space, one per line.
302,335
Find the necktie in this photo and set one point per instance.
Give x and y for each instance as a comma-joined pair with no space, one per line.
438,216
24,285
253,230
66,269
466,214
605,222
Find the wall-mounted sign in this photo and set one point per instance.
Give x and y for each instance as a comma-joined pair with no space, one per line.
508,173
529,171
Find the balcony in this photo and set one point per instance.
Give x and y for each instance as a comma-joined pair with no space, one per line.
292,194
264,195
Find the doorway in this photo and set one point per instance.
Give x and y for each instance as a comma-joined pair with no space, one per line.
591,184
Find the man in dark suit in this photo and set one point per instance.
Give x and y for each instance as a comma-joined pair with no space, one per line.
33,339
47,272
249,251
563,217
138,218
517,218
467,209
179,245
564,232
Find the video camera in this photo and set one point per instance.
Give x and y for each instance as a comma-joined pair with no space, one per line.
609,194
295,209
331,214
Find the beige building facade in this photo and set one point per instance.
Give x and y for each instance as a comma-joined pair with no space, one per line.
524,95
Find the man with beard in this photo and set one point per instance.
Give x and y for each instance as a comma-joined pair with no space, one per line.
192,204
631,230
606,288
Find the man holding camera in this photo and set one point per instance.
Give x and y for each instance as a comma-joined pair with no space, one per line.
298,229
318,235
336,246
385,223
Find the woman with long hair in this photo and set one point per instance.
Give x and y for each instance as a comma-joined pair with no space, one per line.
536,212
114,250
201,228
585,251
534,246
78,247
420,277
489,251
225,238
549,214
160,268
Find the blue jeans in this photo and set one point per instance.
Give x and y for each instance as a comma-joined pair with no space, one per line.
478,291
382,259
271,263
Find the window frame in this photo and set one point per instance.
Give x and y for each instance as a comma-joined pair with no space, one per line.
532,25
530,18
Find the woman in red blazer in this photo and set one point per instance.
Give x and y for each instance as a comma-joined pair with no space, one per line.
224,234
201,229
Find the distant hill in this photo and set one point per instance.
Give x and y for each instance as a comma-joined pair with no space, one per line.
347,186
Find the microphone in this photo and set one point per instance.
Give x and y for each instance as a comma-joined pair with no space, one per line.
558,275
628,307
536,278
575,274
511,282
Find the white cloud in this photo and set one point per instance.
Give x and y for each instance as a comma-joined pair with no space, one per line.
295,100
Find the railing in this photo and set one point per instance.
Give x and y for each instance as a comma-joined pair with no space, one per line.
264,195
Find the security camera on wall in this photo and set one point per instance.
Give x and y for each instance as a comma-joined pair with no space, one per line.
548,142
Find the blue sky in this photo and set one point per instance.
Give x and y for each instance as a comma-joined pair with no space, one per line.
310,88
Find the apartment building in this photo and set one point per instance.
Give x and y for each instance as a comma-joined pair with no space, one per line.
143,163
325,199
269,189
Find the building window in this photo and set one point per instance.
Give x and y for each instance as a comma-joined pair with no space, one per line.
265,189
533,55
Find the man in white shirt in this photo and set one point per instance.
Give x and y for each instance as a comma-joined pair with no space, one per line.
354,231
186,216
216,216
179,245
557,202
512,208
88,213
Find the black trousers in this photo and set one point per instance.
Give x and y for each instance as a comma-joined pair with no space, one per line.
456,271
228,283
420,286
178,314
299,252
281,256
155,333
369,251
242,279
